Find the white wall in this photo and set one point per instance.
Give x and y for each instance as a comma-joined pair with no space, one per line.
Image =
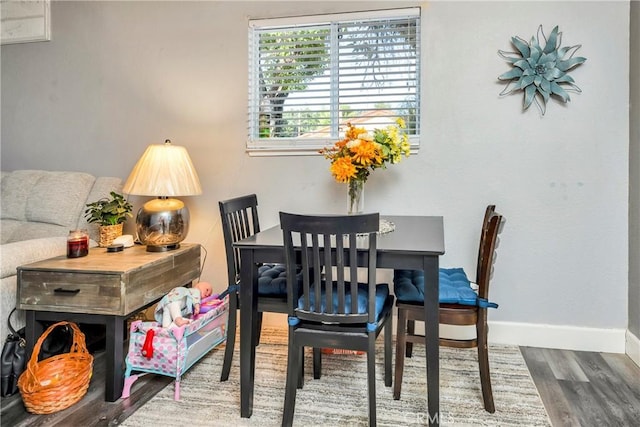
117,76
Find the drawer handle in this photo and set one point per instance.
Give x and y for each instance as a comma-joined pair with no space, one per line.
66,291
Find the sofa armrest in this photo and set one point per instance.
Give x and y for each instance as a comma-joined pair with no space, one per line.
16,254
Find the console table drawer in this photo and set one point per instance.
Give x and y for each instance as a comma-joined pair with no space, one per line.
75,292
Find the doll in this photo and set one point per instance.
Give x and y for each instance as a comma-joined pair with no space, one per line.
175,308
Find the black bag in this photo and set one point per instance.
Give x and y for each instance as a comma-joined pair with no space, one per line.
58,341
13,359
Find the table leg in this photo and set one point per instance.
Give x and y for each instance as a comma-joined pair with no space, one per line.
32,331
248,317
432,341
114,352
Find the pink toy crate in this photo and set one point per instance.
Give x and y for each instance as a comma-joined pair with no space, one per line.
175,350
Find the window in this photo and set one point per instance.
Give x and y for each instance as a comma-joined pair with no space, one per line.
310,76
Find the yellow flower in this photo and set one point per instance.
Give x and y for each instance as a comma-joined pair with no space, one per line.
353,132
366,153
342,169
360,152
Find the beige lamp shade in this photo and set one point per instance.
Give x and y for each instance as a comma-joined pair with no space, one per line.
163,170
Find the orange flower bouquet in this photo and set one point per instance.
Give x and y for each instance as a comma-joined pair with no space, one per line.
359,153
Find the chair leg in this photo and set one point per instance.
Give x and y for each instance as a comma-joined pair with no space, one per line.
371,378
483,362
293,371
301,367
388,332
411,330
317,363
401,348
231,337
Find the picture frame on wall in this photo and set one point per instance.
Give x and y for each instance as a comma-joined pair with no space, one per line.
25,21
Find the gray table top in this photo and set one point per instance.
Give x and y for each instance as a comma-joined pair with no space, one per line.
412,234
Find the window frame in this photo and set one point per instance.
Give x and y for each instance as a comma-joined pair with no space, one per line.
256,146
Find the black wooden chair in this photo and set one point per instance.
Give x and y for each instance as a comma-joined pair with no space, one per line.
240,220
459,305
334,312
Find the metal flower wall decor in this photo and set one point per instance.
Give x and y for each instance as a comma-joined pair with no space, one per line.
540,69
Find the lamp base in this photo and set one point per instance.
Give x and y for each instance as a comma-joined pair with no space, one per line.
162,248
162,224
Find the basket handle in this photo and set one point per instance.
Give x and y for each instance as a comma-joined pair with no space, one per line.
78,345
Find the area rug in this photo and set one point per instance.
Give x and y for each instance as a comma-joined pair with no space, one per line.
339,398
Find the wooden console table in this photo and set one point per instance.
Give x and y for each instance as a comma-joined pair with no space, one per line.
102,288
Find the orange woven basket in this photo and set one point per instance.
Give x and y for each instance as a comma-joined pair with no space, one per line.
55,383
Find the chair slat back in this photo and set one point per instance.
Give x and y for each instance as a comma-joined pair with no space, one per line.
320,243
239,220
487,252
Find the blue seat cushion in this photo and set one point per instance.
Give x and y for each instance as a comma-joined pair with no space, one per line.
382,293
272,279
454,288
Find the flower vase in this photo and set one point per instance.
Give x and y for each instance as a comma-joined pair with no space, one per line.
355,196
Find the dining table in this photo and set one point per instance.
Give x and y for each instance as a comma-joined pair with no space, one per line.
415,242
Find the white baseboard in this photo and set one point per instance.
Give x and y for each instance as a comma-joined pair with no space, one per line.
558,336
545,336
633,347
533,335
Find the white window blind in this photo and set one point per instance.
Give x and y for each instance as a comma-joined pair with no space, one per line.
310,76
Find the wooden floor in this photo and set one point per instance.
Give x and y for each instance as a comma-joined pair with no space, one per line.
92,410
580,388
577,389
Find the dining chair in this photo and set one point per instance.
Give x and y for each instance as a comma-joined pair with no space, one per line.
332,309
460,305
240,220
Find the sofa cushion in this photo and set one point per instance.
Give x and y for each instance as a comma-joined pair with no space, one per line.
16,187
38,203
19,253
9,228
59,198
16,231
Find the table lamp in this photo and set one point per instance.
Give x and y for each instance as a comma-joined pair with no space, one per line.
164,171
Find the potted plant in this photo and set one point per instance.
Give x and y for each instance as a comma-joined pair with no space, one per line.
110,214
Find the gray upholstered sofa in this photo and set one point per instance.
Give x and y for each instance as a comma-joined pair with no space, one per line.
37,210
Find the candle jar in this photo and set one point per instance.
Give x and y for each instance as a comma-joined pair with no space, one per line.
77,243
